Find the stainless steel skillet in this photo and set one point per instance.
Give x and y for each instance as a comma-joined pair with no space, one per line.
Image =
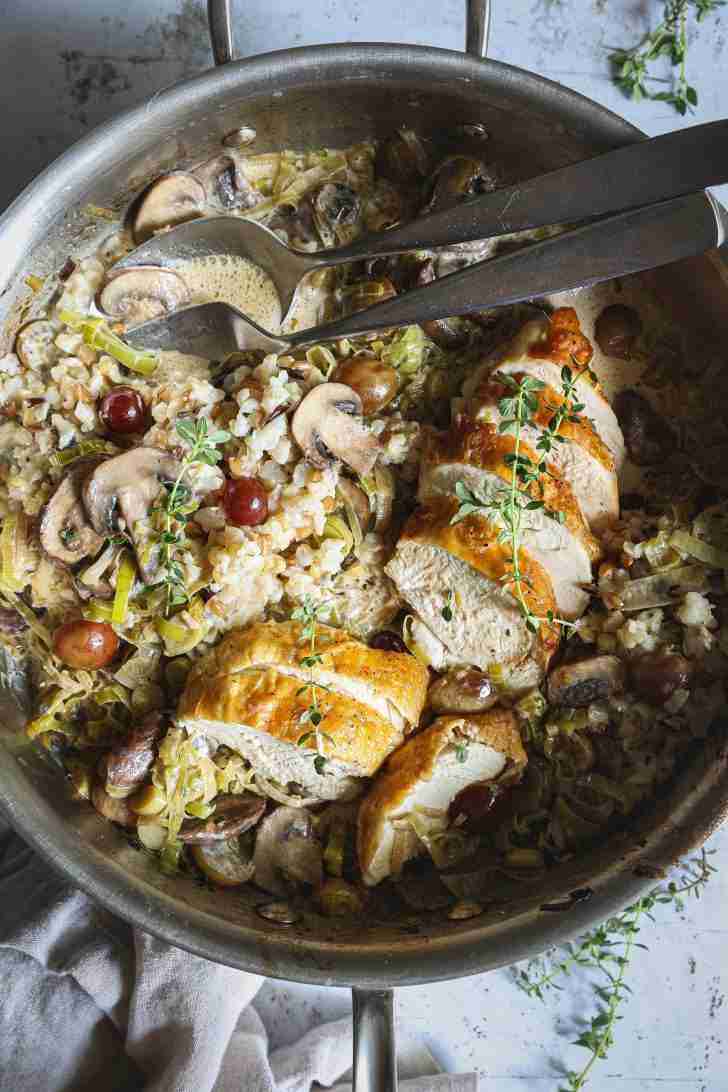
307,98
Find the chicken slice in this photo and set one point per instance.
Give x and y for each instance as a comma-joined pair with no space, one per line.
425,775
436,560
477,455
594,453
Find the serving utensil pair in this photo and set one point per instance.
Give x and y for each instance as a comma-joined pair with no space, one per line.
649,196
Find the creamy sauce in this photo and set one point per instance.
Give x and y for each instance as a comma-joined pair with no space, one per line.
236,281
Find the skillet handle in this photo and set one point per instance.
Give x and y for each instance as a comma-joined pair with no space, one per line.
375,1058
219,17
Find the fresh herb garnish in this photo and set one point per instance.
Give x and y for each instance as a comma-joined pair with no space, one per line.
309,614
517,410
447,610
608,950
668,39
177,505
461,751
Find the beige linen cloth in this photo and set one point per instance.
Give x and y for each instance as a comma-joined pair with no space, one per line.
88,1004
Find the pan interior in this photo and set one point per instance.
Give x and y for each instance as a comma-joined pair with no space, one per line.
302,99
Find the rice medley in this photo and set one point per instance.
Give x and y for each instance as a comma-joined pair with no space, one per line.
588,765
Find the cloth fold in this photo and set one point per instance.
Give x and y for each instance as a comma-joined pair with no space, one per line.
88,1002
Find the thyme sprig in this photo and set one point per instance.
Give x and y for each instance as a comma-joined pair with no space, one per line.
608,951
517,410
309,614
177,505
669,39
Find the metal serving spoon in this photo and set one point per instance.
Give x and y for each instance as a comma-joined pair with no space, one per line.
637,175
628,243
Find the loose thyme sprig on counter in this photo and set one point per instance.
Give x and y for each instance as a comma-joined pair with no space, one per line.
668,39
609,950
518,410
309,613
176,505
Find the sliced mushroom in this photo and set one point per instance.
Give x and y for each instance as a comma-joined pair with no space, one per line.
93,582
355,499
119,494
233,815
117,810
447,333
336,213
172,199
383,499
227,864
617,329
64,531
35,344
327,427
457,177
223,179
462,690
12,622
402,158
375,382
580,683
129,762
142,293
287,852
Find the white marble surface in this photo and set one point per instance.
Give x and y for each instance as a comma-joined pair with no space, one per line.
65,65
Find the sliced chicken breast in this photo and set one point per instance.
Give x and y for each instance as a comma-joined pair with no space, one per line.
436,559
424,776
477,456
392,684
595,451
252,693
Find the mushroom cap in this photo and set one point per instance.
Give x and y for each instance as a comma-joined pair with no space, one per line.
233,815
35,343
141,293
65,532
130,760
581,682
120,493
287,852
172,198
226,863
327,427
356,499
126,486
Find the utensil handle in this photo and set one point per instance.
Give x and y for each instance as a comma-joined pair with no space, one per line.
639,174
613,247
375,1059
219,18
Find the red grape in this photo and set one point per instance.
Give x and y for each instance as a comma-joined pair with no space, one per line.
85,645
123,410
245,502
387,641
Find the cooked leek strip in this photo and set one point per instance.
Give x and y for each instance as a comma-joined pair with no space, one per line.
12,541
124,585
81,450
700,550
292,194
662,589
334,852
97,335
406,351
98,610
114,693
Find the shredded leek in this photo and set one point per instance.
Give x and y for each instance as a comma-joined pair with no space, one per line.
662,589
335,846
407,349
291,193
337,528
92,446
125,578
178,637
97,334
322,358
98,610
12,543
112,694
702,551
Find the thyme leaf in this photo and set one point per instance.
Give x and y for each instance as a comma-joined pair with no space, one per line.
632,71
309,615
609,950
